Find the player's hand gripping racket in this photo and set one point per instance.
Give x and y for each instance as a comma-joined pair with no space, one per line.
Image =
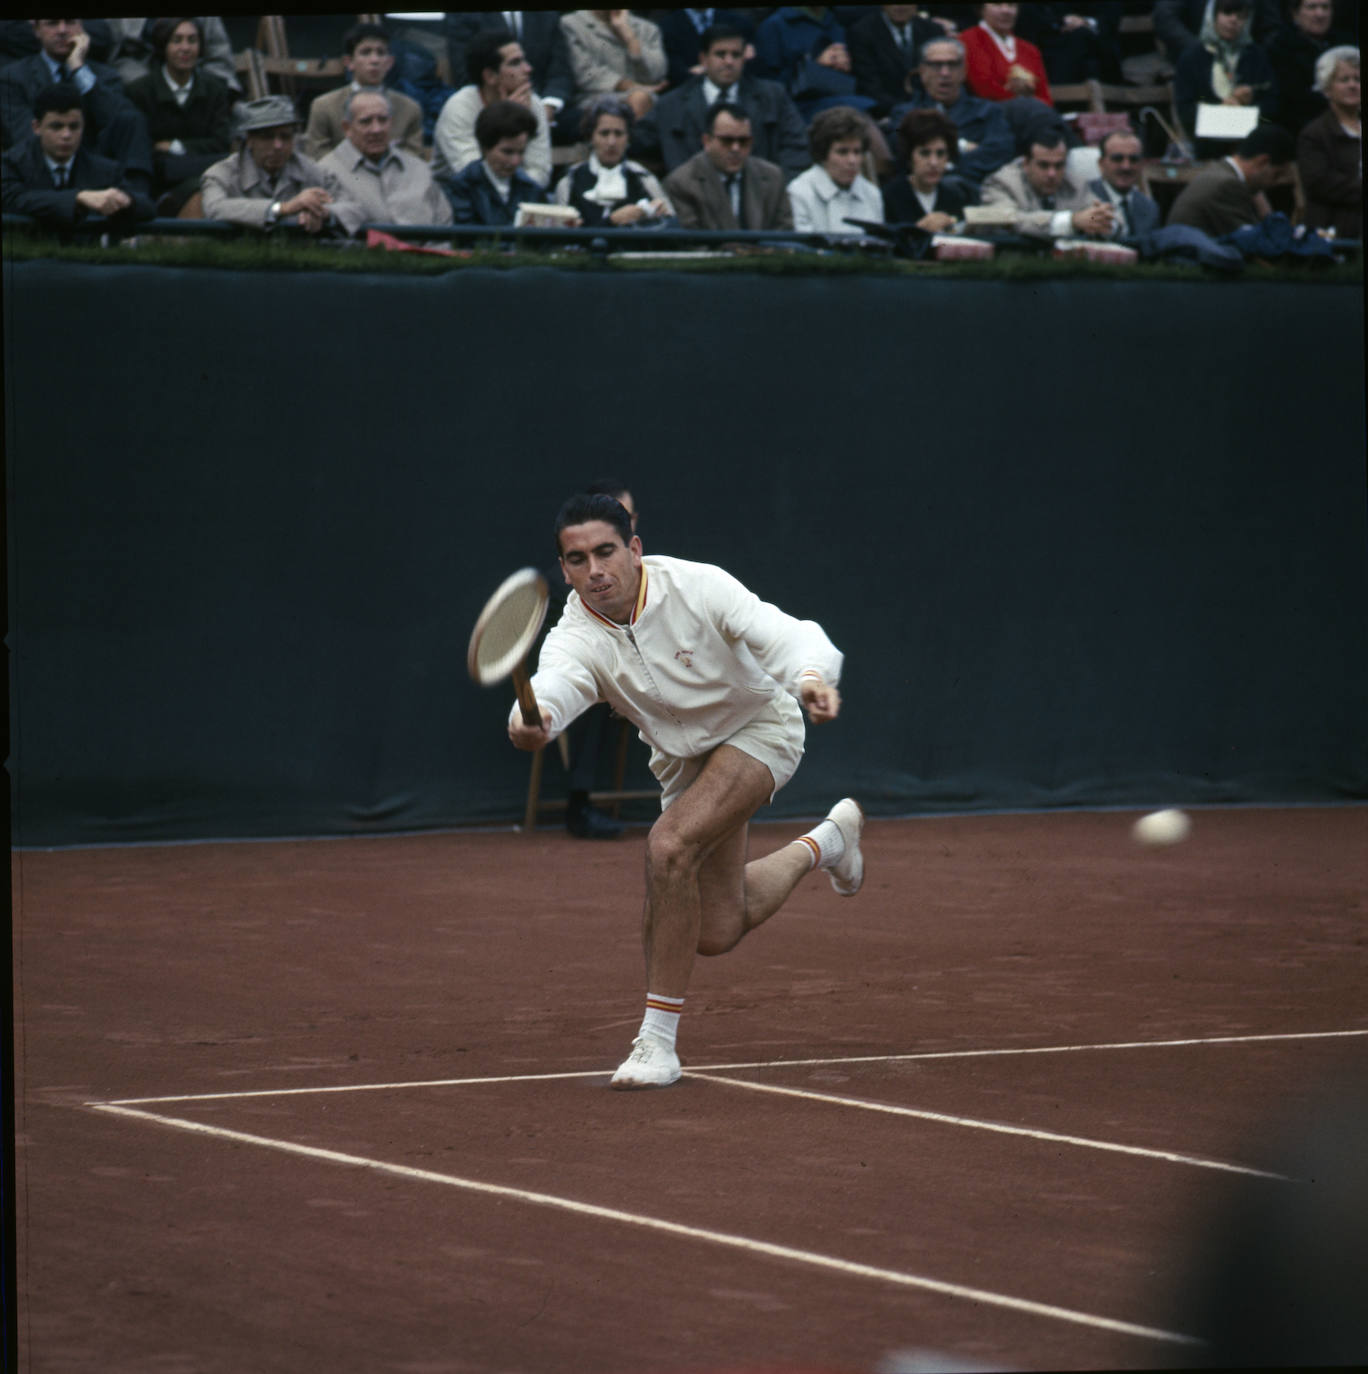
505,632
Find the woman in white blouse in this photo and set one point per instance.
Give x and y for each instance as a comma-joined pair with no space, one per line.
833,190
607,189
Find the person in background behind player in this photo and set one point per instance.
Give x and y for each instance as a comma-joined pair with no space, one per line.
712,677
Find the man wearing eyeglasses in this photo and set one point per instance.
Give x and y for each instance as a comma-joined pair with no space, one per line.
724,187
1119,157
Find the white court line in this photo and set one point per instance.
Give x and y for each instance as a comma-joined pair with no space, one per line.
724,1068
977,1125
757,1247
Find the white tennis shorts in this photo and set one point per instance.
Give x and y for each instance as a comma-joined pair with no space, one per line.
774,737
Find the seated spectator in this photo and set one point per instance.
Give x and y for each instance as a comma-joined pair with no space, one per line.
498,70
803,48
490,189
832,189
132,52
985,137
543,43
53,177
607,189
1118,160
1330,148
724,187
1230,192
681,32
926,198
1178,23
267,182
385,182
113,127
1079,45
366,56
615,50
188,112
1002,66
1293,52
1225,67
883,53
1047,202
673,130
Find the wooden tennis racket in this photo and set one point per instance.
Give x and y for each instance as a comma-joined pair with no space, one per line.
504,634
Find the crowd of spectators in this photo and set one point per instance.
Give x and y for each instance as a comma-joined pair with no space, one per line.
846,121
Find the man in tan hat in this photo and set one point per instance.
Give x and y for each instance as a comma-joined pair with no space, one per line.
266,182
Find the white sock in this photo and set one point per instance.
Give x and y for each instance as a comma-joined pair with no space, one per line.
825,843
662,1017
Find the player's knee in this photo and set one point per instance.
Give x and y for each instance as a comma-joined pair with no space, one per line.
670,854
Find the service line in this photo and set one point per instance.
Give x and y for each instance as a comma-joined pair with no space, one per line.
744,1243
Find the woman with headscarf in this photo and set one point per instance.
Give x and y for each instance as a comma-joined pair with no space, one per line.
1224,67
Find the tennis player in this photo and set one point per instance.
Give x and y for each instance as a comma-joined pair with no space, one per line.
713,677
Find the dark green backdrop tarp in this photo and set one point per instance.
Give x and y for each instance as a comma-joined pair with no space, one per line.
1086,542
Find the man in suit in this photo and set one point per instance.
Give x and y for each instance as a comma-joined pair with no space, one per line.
1118,159
883,53
673,130
368,59
113,127
1046,202
490,189
1230,192
53,178
986,141
682,30
542,39
724,187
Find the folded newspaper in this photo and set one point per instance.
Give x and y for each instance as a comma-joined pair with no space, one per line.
545,216
990,216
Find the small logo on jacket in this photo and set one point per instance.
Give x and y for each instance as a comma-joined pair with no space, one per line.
685,656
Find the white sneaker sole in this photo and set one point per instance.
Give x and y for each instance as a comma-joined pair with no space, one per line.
655,1067
848,874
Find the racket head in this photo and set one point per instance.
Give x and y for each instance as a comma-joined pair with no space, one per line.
507,627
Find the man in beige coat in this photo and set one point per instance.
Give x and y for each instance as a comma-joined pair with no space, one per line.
724,187
1045,201
368,59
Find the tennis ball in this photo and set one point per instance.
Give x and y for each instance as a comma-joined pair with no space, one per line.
1162,828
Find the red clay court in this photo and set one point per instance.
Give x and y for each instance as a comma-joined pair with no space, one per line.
341,1105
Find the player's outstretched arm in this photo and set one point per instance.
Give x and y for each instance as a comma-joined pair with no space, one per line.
820,700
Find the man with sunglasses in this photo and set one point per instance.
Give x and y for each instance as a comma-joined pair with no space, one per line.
724,187
1119,157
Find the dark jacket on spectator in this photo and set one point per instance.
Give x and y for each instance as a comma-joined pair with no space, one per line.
901,205
1177,23
203,124
474,199
1292,54
673,130
879,65
28,190
1192,82
542,42
1332,176
981,122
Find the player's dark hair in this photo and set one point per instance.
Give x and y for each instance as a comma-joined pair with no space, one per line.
585,506
159,35
724,107
58,98
359,33
483,53
503,119
1272,139
717,33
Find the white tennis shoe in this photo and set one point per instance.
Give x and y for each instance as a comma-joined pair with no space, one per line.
651,1064
847,873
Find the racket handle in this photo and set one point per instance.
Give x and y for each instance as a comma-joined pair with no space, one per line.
531,712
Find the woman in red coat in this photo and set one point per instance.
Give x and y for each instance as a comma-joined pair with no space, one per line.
1001,65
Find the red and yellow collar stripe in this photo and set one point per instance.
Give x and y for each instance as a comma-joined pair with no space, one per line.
636,610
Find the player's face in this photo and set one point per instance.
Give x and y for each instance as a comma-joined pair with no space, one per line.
601,568
1121,162
369,126
370,62
929,161
722,62
59,133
